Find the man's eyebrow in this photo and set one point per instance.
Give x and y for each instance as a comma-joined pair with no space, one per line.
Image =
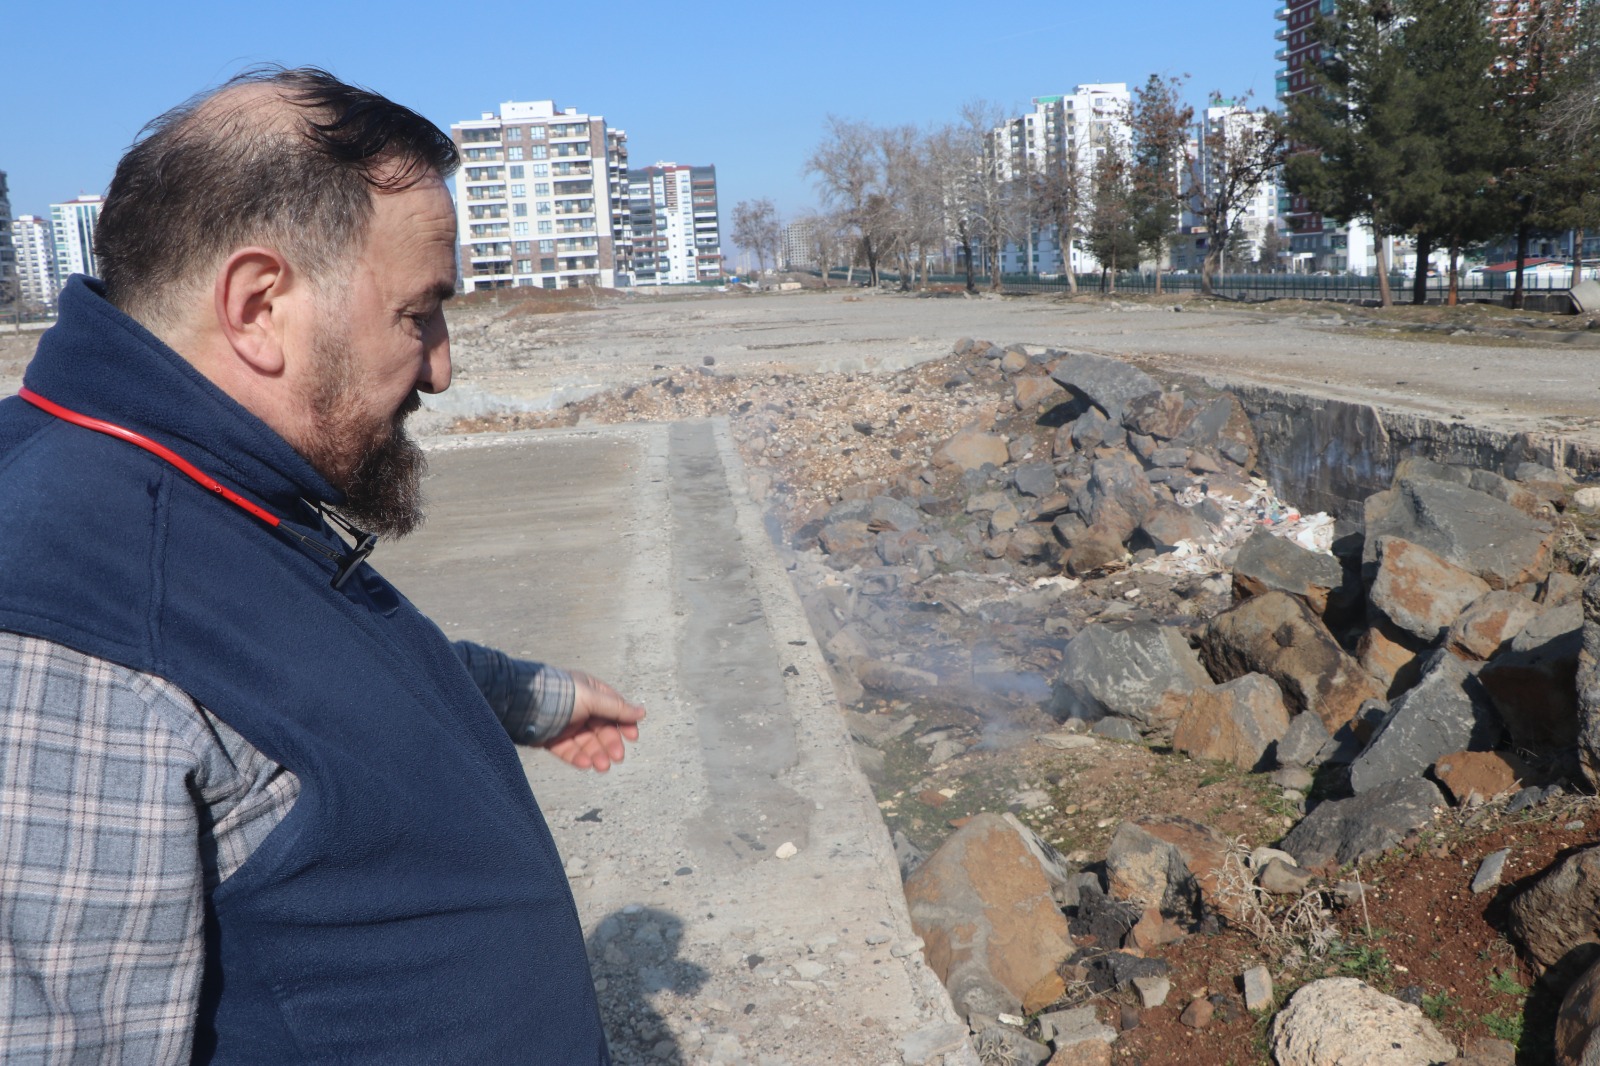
440,292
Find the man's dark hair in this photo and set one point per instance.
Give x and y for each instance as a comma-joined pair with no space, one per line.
294,168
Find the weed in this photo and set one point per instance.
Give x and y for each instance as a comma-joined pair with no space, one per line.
1437,1006
1504,1027
1505,982
1214,776
1370,964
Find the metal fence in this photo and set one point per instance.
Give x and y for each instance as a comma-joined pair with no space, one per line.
1347,288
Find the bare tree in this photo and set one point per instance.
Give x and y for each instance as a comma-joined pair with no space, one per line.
756,229
847,167
949,152
1060,195
992,203
1239,151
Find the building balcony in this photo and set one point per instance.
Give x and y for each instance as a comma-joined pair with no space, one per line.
1282,13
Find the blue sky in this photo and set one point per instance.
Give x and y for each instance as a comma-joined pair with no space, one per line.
743,86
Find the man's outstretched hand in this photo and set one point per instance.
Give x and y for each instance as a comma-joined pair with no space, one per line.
601,721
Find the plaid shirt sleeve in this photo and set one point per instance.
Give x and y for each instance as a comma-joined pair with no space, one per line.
122,803
533,700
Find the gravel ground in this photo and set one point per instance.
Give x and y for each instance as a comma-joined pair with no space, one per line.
1489,367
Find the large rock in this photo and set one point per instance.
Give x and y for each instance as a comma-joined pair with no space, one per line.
1030,392
1475,531
1363,826
1223,428
1418,591
1109,384
1534,682
972,450
1556,920
1486,774
1587,683
1276,634
880,513
1340,1021
1117,497
1446,711
1576,1042
1160,415
1166,524
991,928
1391,655
1237,722
1167,862
1277,564
1143,672
1489,622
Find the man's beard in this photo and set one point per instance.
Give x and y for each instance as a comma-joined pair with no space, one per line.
370,458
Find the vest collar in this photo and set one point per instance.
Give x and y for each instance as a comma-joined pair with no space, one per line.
99,362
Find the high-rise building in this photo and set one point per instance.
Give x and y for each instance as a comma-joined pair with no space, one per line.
36,262
1222,125
72,224
675,230
8,255
541,198
1079,126
800,245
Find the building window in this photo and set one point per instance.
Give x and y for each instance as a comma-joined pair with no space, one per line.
514,133
544,227
519,190
538,151
541,170
524,266
519,229
514,153
542,208
535,133
541,188
516,172
547,246
519,210
546,265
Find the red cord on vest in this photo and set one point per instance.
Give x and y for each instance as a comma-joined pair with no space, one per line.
122,433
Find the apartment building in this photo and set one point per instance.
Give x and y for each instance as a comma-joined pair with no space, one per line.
1220,125
72,225
541,199
673,219
36,262
1078,126
800,245
8,256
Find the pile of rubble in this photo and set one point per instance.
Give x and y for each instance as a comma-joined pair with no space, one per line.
1101,553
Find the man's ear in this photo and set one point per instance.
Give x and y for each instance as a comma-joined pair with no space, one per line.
250,300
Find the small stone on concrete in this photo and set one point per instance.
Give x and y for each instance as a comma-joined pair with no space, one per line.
786,850
907,947
922,1045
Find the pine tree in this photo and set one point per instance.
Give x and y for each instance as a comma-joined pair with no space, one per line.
1160,125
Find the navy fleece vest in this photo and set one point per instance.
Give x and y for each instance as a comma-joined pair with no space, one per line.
411,908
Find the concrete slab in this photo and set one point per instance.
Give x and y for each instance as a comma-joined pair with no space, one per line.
635,553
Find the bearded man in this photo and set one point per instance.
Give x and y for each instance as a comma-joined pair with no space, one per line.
254,807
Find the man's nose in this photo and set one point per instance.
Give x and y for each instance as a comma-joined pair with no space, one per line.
435,376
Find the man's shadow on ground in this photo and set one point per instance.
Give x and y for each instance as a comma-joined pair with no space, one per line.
634,954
